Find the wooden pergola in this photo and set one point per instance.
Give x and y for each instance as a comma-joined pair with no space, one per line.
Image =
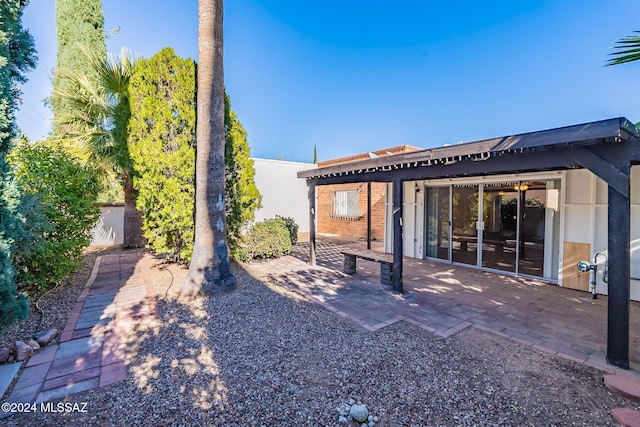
607,148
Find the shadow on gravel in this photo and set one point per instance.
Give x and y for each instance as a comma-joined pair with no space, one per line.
262,355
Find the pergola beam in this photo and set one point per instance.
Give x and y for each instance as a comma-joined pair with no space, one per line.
602,168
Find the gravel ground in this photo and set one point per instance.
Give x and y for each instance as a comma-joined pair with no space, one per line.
263,356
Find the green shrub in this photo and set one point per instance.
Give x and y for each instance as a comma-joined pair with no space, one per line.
58,217
291,225
31,241
266,239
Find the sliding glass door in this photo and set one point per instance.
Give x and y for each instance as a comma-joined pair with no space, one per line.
533,200
437,227
464,218
500,221
507,226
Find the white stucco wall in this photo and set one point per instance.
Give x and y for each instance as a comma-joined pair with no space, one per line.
109,231
282,192
586,218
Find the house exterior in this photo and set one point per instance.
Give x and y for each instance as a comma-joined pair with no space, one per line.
343,208
530,205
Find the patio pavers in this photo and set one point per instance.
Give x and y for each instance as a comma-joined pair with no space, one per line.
91,351
444,299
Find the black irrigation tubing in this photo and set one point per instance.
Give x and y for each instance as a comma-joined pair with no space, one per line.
40,309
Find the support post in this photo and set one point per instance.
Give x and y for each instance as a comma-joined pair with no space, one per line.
397,235
369,215
619,239
311,188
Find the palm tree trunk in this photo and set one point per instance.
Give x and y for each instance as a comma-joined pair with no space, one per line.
133,237
210,268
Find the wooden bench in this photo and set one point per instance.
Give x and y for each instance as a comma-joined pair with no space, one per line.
385,261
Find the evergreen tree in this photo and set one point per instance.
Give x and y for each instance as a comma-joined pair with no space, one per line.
162,147
17,56
162,91
315,154
78,23
241,193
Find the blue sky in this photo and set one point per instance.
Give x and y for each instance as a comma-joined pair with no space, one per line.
354,76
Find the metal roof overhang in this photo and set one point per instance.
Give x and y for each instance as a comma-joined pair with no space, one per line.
583,145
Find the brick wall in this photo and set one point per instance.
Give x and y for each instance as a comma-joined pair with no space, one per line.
356,228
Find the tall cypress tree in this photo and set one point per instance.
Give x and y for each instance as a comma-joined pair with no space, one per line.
17,56
162,129
242,195
78,22
162,125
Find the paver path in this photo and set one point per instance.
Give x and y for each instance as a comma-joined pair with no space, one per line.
91,351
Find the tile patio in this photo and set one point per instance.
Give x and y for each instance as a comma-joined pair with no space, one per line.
444,299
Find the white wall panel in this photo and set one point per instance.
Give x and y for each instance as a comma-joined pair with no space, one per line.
579,187
602,191
635,184
282,192
578,223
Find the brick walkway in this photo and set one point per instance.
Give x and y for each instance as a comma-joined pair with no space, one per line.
444,299
91,351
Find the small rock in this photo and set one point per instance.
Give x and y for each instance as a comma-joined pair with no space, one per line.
5,352
370,418
359,412
351,402
371,423
375,419
45,337
11,359
33,344
22,351
364,425
342,420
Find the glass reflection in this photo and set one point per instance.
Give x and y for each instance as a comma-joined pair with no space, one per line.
500,217
464,210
